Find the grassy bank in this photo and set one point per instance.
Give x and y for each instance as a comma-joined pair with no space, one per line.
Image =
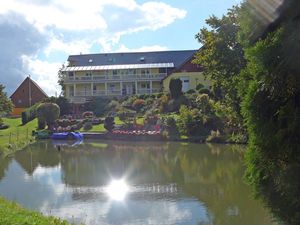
16,136
11,214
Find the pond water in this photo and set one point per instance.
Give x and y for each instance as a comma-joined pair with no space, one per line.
133,183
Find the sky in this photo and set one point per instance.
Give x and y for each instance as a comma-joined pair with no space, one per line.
37,36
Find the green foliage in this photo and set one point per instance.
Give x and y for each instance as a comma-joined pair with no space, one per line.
138,104
100,106
29,114
199,86
271,107
190,123
87,126
62,102
175,87
5,103
222,55
109,123
163,103
175,104
48,112
171,128
191,91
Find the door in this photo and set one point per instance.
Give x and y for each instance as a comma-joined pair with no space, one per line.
185,83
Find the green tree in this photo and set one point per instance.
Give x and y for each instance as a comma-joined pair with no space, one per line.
60,80
271,107
175,87
222,55
48,112
5,103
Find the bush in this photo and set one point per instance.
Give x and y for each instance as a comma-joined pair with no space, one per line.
199,86
175,104
87,126
41,124
109,123
29,114
175,88
88,114
163,103
191,123
99,106
169,124
138,104
191,91
48,112
3,126
204,91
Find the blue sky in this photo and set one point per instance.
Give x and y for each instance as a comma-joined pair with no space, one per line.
36,36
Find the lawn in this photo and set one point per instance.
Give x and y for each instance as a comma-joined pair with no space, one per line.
11,214
100,127
16,136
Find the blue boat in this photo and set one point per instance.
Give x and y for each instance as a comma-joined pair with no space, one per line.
67,136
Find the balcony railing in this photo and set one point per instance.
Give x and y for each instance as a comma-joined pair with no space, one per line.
118,77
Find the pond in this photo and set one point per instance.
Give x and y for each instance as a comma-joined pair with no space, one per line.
133,183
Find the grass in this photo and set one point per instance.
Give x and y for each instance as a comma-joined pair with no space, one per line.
16,136
100,127
11,214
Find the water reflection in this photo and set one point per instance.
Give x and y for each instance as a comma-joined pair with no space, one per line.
169,183
117,190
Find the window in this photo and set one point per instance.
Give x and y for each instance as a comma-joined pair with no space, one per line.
162,70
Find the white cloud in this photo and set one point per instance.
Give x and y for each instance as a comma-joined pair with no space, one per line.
71,27
149,48
73,47
45,74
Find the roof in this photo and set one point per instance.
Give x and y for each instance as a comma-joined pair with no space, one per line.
116,67
135,58
32,82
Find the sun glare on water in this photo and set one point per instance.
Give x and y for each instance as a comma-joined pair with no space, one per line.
117,190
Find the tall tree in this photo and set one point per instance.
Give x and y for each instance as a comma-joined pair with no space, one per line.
221,55
271,107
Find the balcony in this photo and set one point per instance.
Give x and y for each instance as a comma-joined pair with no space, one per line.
117,78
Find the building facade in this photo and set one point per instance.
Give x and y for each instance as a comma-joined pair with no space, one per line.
121,74
26,95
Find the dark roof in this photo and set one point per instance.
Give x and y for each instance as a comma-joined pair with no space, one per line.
176,57
28,79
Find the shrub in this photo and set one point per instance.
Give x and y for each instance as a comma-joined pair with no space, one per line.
88,114
99,106
175,88
204,91
172,132
191,91
151,119
163,103
48,112
109,123
3,126
138,104
87,126
29,114
41,124
174,104
199,86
